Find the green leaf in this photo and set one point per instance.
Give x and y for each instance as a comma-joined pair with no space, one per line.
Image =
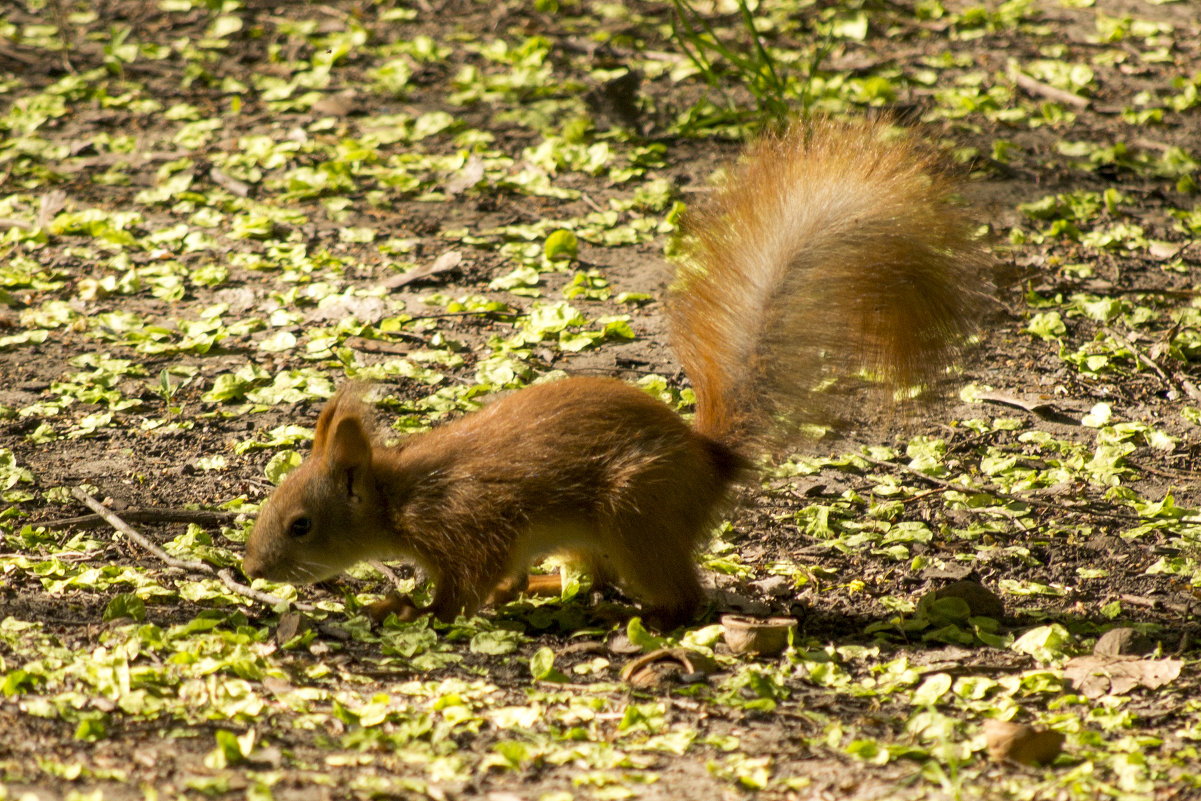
91,728
498,642
561,245
932,689
1046,325
542,666
125,605
642,638
231,749
281,464
1044,642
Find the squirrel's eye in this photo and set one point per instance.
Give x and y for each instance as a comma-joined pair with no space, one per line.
300,526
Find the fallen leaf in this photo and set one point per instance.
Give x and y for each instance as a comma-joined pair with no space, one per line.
394,603
1045,411
667,666
1095,676
50,204
444,263
366,310
1019,742
980,600
229,183
342,104
291,625
1122,641
471,174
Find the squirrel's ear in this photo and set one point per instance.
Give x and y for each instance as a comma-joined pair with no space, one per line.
346,402
347,447
323,420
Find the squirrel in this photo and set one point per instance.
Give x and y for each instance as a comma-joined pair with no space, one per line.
832,248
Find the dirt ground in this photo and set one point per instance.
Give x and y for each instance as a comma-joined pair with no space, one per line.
1078,521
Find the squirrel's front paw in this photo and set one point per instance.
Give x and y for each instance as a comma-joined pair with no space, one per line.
394,604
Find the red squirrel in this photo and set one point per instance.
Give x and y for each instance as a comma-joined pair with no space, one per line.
831,248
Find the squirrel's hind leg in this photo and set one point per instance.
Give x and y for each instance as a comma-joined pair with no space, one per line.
508,588
666,583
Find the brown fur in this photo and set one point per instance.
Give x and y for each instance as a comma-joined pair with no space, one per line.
831,249
590,466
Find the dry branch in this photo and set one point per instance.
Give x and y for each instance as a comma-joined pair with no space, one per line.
225,576
1050,92
201,517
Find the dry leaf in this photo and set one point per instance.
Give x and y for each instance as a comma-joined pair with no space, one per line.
50,204
229,183
447,261
394,603
1046,411
981,601
1095,676
471,174
378,346
366,310
665,667
1123,641
342,104
291,624
1021,743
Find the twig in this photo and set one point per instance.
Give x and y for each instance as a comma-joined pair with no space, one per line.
1182,475
380,346
921,495
584,196
1138,600
1173,382
225,576
128,531
444,263
946,485
1045,411
1050,92
1140,357
463,314
202,517
60,19
387,572
1006,496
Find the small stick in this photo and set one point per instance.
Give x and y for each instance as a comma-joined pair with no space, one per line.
1183,475
1050,92
462,314
925,494
379,346
226,576
944,484
201,517
128,531
1172,382
1138,600
1001,495
1140,357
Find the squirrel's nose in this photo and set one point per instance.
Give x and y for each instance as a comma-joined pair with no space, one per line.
253,568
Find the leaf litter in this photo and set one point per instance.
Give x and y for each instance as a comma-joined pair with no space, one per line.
208,209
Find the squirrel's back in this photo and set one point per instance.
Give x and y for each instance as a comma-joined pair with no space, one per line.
831,249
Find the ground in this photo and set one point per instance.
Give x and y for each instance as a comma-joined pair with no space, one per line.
216,212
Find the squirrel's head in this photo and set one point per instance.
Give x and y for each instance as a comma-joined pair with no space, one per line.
325,516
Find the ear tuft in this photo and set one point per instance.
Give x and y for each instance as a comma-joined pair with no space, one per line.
346,403
349,447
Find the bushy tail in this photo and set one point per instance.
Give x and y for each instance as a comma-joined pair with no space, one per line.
831,249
